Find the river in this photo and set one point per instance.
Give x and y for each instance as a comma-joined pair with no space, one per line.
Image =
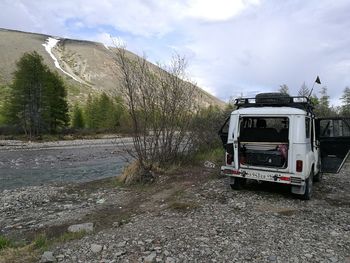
27,164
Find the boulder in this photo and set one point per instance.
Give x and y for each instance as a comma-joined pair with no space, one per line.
96,248
87,227
47,257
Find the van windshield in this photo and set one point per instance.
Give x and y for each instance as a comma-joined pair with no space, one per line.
264,129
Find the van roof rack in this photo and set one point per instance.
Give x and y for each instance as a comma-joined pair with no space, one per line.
275,100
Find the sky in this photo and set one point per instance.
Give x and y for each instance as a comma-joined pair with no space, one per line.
233,47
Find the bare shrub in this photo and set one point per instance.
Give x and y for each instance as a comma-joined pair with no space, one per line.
161,103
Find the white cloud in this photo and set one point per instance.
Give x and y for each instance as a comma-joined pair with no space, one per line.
233,46
218,10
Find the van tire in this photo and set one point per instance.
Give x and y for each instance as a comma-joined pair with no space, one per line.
318,177
308,187
237,183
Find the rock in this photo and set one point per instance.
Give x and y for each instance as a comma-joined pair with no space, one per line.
116,224
96,248
100,201
119,253
169,260
202,239
48,257
151,258
87,227
60,257
272,258
209,164
334,233
121,244
67,206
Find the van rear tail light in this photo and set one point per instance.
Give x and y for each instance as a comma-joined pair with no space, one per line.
299,166
229,158
229,171
284,178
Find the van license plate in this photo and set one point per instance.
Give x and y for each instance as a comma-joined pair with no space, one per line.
260,176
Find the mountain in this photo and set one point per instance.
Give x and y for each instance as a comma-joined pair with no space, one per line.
86,67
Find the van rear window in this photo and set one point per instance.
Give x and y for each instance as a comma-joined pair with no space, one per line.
264,129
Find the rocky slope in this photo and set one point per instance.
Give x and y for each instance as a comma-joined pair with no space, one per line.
87,67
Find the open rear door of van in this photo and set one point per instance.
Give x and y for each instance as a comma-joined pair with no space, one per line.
334,138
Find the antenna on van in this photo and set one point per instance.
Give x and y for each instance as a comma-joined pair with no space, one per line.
318,81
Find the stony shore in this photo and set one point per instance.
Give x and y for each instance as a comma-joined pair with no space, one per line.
187,216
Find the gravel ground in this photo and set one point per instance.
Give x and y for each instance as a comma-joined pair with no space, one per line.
189,217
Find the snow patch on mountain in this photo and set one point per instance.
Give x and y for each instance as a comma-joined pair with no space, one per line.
106,46
49,45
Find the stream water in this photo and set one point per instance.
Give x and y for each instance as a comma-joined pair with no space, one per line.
26,167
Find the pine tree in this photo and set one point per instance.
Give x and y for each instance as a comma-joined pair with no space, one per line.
4,94
345,108
304,90
77,117
284,89
56,106
104,112
37,100
92,112
322,109
25,103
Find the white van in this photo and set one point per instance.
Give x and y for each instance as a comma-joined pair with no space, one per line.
276,138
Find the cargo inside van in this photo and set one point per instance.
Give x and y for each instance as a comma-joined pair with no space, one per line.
263,141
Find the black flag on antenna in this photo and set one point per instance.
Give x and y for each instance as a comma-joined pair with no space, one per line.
318,81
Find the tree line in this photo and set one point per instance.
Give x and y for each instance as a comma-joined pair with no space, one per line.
36,103
101,112
161,101
322,106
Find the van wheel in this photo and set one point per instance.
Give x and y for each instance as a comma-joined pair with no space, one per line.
308,187
237,183
318,177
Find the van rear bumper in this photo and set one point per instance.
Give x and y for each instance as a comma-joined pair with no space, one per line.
269,176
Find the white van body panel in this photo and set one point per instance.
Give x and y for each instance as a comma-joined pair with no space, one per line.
300,147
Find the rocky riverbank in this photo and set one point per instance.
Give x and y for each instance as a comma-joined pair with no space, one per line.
186,216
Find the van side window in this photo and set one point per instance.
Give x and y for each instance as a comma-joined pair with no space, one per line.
307,127
335,128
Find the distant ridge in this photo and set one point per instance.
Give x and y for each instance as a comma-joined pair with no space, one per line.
86,66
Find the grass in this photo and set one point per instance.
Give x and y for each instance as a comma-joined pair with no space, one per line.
41,242
9,252
215,155
31,252
124,219
183,206
69,236
26,254
4,242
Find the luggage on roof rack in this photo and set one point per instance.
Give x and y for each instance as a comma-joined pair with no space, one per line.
275,100
272,98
